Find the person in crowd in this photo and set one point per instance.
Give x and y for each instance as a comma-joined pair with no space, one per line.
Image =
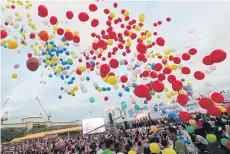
178,145
109,144
101,147
140,148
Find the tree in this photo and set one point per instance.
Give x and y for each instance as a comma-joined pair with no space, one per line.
8,134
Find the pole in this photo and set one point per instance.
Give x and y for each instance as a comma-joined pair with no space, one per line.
5,103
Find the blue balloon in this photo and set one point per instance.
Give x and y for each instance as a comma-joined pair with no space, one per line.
67,53
59,96
62,88
187,141
152,66
108,88
127,89
92,63
122,62
134,85
50,75
181,137
63,38
164,111
120,94
145,102
44,60
155,108
103,89
67,76
170,115
73,78
158,136
87,78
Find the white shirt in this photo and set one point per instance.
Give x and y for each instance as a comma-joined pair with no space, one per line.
201,140
100,151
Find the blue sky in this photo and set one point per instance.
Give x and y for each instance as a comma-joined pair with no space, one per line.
210,22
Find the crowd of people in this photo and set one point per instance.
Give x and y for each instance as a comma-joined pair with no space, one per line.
171,138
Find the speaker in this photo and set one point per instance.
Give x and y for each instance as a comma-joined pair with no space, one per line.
110,118
126,125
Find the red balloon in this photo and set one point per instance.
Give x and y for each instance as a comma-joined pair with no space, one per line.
104,69
158,86
217,97
167,70
145,74
3,34
124,79
185,56
160,41
76,39
214,111
168,19
176,60
207,60
192,51
177,85
114,63
141,48
218,55
184,116
83,17
53,20
158,67
115,5
182,99
42,11
164,61
153,74
185,70
106,98
141,57
171,78
32,64
149,85
111,74
228,110
44,36
161,76
93,7
228,145
68,36
30,55
60,31
148,98
32,35
142,91
94,23
69,14
199,75
205,103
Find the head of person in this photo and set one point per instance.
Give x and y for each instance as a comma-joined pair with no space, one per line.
109,144
102,145
172,133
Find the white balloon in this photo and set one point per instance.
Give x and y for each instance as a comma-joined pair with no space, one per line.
195,96
137,70
16,25
167,110
87,53
148,67
95,40
133,59
98,66
172,50
3,8
130,66
144,78
180,66
18,51
97,52
116,86
133,79
97,72
135,54
66,90
139,63
178,54
81,85
46,22
129,84
134,73
201,110
30,20
95,84
75,56
207,71
212,67
82,78
207,84
60,46
208,90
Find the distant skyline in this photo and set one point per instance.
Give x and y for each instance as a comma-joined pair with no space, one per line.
203,25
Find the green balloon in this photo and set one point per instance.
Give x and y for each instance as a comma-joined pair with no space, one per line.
91,99
224,141
136,107
123,105
190,129
152,92
211,138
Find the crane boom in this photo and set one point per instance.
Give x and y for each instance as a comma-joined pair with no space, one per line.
48,116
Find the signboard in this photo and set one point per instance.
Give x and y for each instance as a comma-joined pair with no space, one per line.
91,124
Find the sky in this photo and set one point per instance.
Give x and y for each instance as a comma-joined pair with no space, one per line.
202,25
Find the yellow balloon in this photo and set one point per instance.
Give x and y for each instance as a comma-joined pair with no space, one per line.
126,13
174,67
153,55
47,56
167,52
112,80
75,88
169,151
71,92
157,54
137,28
105,78
131,152
143,37
12,44
130,33
166,89
154,148
128,44
149,41
169,96
58,70
189,84
148,34
192,122
14,76
181,91
112,15
82,68
50,47
99,89
154,129
75,33
158,96
110,41
142,17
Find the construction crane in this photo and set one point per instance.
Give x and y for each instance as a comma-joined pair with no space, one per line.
5,116
47,114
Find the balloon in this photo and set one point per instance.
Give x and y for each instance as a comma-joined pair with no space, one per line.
207,84
171,78
207,60
211,138
158,86
218,55
214,111
228,145
142,91
16,66
3,34
185,56
53,20
185,70
14,76
112,80
177,85
94,23
91,100
12,44
133,101
158,67
154,129
141,48
192,122
205,103
93,7
182,99
131,152
83,17
199,75
142,17
106,98
44,36
136,107
135,115
224,141
69,14
160,41
123,105
32,64
192,51
169,151
217,97
114,64
104,69
124,79
184,116
42,11
154,148
190,129
212,67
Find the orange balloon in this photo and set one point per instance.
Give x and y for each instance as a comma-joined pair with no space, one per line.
44,36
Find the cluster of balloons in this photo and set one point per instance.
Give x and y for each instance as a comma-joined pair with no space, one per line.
123,44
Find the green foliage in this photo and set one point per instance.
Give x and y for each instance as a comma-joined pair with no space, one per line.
8,134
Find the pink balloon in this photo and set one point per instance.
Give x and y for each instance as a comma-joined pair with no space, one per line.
64,72
135,115
133,101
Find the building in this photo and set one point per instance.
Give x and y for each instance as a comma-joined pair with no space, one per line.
38,123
